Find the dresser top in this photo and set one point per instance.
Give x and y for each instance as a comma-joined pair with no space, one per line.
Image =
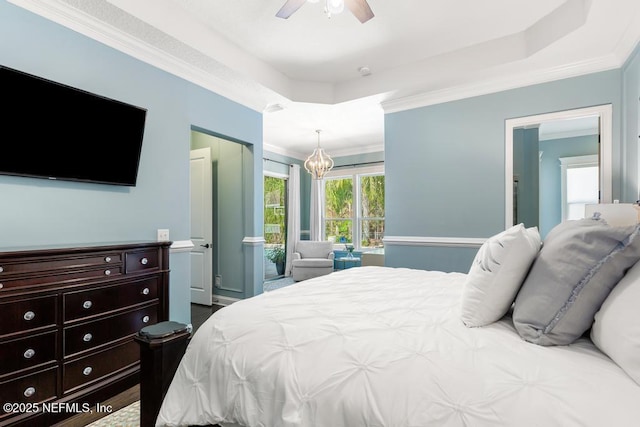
79,247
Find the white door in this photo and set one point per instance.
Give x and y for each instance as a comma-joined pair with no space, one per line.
201,227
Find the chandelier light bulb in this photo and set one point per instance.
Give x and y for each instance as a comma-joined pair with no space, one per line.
335,6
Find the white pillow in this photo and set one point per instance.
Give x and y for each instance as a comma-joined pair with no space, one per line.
616,329
497,272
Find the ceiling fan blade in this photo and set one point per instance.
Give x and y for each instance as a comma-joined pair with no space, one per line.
360,8
289,7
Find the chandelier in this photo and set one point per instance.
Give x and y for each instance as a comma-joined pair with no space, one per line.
319,162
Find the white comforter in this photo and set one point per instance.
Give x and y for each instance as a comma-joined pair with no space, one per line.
379,346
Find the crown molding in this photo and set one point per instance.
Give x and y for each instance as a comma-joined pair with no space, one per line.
501,83
349,151
64,14
85,24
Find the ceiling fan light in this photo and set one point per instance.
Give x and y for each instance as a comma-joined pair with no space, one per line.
335,6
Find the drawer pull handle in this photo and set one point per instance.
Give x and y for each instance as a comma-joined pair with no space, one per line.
1,269
29,315
87,371
107,272
144,261
1,286
87,305
145,319
107,259
29,391
145,291
87,337
29,353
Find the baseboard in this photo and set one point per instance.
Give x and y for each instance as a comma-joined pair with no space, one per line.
225,301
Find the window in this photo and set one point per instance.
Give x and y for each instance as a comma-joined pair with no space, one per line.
354,207
580,186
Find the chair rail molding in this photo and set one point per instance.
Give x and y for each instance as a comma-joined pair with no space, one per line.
181,246
254,240
467,242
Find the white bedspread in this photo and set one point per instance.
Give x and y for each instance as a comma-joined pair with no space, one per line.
379,346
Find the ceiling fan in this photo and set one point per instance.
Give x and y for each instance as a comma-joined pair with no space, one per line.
360,8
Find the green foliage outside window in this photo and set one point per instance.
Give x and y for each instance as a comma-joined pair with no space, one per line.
339,214
339,209
372,210
274,210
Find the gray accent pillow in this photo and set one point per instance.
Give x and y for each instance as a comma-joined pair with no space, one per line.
579,264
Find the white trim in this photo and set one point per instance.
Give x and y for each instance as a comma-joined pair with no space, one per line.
276,174
568,134
181,246
348,172
502,83
604,112
467,242
64,14
225,301
254,241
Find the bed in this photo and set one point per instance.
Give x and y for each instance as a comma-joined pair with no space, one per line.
383,346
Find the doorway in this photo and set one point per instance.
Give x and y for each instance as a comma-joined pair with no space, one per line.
275,225
229,195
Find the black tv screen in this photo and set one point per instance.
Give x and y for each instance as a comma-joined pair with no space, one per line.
50,130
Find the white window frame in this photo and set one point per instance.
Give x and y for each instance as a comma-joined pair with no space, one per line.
356,220
570,163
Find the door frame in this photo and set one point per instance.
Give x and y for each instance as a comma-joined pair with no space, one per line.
605,114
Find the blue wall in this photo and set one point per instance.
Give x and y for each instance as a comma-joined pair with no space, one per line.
445,164
40,212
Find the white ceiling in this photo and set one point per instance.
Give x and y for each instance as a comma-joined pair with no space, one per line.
419,53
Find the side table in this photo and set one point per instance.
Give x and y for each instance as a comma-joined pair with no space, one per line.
343,263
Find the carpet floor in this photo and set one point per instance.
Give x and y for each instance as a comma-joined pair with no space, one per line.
277,284
129,416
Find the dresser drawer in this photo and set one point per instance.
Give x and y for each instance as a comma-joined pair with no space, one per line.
142,261
92,334
61,277
51,264
33,388
100,300
28,314
27,352
91,368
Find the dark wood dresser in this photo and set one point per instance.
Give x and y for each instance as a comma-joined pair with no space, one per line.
68,316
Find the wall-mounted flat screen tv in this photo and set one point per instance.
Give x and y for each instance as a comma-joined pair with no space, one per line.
53,131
